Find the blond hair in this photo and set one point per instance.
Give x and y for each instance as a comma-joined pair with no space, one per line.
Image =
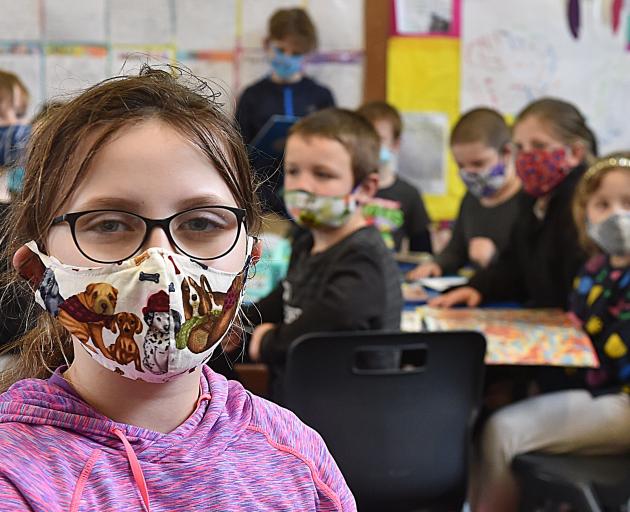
588,185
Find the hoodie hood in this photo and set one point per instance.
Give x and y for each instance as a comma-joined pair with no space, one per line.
235,452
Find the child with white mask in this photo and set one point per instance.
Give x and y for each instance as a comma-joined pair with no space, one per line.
593,420
136,231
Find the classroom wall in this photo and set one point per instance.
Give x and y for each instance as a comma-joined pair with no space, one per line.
501,54
61,46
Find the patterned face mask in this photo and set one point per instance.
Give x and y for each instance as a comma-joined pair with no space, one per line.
541,171
151,317
315,211
485,183
612,235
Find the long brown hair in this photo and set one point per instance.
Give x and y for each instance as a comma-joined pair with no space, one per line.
589,184
566,122
57,160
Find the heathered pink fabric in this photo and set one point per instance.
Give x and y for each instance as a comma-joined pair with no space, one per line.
236,452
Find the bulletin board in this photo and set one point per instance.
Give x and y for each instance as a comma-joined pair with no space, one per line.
59,47
504,55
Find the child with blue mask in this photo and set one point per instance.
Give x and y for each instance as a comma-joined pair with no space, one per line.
397,209
286,91
480,143
341,276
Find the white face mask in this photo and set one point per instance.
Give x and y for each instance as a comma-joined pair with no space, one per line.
151,317
612,234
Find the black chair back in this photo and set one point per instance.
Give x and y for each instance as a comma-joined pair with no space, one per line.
395,409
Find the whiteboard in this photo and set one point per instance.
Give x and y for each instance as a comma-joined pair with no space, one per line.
516,51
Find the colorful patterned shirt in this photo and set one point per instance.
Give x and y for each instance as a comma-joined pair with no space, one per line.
601,301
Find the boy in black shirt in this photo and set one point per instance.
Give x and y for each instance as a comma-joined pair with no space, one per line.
397,209
341,275
286,91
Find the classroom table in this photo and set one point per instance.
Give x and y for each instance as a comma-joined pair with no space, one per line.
525,337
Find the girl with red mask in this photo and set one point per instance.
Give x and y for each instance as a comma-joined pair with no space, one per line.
553,146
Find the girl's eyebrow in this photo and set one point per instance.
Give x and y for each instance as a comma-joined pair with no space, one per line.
204,200
109,203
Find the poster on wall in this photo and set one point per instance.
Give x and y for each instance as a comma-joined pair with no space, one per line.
426,17
423,148
512,55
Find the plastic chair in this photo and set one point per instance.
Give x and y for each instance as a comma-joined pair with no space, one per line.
586,483
395,409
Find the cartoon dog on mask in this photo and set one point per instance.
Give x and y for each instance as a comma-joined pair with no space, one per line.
87,313
206,333
49,291
159,317
125,350
199,299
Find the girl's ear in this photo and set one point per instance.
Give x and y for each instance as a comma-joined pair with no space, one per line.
256,252
577,154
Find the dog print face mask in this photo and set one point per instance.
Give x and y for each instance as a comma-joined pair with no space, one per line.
151,317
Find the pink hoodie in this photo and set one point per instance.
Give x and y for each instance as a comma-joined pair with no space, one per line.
235,452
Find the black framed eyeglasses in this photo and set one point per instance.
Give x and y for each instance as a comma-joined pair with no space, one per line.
111,236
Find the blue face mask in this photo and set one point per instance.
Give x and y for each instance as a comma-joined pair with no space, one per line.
385,155
285,66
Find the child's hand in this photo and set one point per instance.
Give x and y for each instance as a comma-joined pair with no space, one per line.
465,295
255,341
481,250
430,269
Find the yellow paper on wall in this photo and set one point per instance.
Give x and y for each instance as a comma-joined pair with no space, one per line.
423,77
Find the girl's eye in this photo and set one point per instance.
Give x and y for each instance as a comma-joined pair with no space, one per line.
601,205
539,145
291,171
201,224
107,226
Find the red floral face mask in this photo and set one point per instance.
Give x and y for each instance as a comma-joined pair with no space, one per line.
541,170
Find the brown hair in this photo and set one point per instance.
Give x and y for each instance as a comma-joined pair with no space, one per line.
588,185
482,125
375,111
8,82
57,160
296,26
565,121
354,132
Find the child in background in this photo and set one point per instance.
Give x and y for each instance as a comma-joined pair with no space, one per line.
553,145
578,421
13,134
286,91
144,222
480,143
341,275
397,209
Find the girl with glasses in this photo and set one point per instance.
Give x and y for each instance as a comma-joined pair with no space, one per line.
135,234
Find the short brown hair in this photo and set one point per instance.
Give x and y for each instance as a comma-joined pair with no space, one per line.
565,121
375,111
588,185
57,160
296,26
354,132
481,125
